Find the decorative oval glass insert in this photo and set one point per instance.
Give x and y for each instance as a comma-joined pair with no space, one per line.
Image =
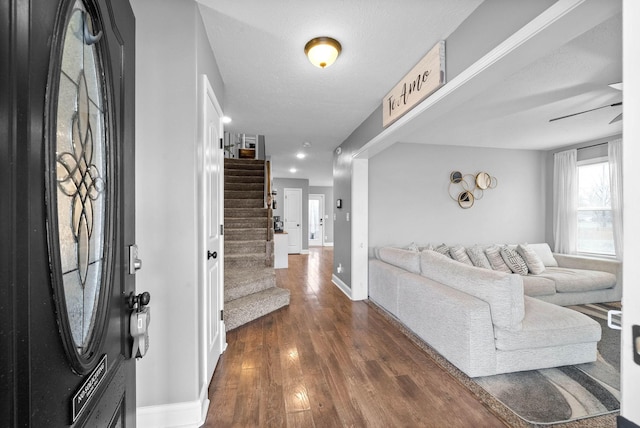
81,176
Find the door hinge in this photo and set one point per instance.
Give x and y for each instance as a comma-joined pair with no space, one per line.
221,144
221,314
222,229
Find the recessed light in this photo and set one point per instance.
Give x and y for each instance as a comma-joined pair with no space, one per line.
306,144
293,170
226,119
301,155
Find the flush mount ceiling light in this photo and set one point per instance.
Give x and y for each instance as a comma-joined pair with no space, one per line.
322,51
301,155
226,119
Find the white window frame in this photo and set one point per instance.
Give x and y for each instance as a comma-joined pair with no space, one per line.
586,162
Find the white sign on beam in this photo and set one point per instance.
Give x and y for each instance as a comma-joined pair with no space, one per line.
423,80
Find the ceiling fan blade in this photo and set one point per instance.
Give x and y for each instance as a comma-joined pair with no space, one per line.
616,119
585,111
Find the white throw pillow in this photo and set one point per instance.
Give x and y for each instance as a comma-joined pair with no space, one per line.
544,252
534,263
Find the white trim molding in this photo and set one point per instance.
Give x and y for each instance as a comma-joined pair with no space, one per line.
189,414
341,285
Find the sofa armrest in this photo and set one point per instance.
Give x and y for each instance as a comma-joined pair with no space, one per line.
591,263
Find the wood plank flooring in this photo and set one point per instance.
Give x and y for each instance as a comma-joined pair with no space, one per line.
326,361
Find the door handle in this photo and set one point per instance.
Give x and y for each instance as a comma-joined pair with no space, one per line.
211,255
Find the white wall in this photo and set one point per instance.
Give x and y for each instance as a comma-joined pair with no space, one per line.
171,52
409,198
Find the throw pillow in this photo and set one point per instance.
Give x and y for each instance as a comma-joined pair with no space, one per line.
443,249
427,247
544,252
495,259
534,263
459,254
413,247
515,262
478,257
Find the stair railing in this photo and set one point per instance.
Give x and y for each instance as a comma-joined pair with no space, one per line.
268,199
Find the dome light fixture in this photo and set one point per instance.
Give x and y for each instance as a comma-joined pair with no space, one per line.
322,51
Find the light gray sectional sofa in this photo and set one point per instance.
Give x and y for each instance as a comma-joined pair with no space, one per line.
484,321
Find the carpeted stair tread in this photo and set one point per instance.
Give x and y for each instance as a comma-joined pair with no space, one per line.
244,163
245,261
239,179
246,222
245,212
245,247
243,282
243,194
240,311
243,234
243,172
243,203
256,187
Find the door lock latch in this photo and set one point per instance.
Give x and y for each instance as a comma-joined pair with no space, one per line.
135,264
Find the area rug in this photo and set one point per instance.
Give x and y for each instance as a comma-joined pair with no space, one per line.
582,395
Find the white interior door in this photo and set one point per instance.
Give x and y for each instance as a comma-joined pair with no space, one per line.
293,219
212,205
630,370
316,220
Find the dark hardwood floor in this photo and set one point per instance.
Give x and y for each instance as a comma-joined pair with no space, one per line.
326,361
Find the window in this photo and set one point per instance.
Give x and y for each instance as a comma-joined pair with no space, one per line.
595,224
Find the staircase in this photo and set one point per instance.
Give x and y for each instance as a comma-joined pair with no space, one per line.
249,277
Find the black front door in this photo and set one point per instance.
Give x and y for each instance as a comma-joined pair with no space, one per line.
66,213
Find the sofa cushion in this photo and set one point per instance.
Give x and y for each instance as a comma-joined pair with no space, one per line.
514,260
459,254
478,257
576,280
531,258
546,325
495,259
503,292
544,252
535,285
405,259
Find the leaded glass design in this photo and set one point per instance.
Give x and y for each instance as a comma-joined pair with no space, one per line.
81,175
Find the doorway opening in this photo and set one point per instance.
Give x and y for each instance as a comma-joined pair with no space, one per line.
316,220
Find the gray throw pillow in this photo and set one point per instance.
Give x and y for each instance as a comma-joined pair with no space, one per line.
478,257
531,258
515,262
495,259
443,249
459,254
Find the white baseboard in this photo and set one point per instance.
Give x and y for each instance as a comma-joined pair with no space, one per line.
328,244
304,251
341,285
189,414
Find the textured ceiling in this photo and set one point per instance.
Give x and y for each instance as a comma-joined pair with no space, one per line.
272,89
